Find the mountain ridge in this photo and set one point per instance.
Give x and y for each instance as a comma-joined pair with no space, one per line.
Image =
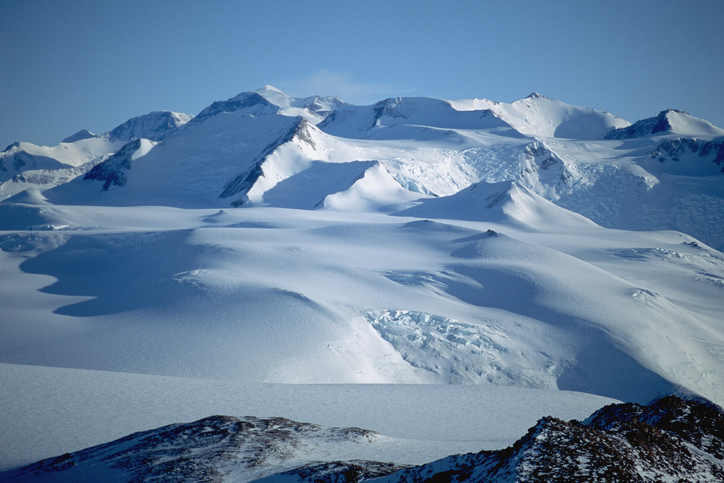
483,147
274,240
670,438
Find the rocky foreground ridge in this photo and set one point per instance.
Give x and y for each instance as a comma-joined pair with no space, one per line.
672,439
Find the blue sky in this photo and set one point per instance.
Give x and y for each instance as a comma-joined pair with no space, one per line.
71,65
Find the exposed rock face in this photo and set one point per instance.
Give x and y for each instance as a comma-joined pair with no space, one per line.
217,448
113,170
155,126
670,440
645,127
676,149
243,182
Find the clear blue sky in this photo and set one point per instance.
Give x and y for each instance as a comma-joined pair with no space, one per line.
76,64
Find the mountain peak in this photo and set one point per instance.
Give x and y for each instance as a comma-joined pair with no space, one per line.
663,122
155,126
669,121
275,96
536,95
79,136
252,102
269,89
16,144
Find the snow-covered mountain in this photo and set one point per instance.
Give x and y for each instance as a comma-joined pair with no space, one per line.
659,173
270,100
539,116
534,245
25,166
155,126
670,121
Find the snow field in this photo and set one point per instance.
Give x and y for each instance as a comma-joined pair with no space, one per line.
282,296
410,267
48,411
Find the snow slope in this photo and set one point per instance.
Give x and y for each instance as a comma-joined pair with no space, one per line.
274,240
301,284
539,116
25,166
668,176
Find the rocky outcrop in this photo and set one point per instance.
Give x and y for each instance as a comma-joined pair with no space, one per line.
672,439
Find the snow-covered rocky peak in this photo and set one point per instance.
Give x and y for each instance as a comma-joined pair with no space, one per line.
316,105
216,448
291,153
669,440
410,117
540,116
322,106
251,103
155,126
80,135
670,121
269,100
696,420
630,447
313,109
113,170
274,95
26,165
20,157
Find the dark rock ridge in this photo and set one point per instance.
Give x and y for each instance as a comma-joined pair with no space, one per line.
113,171
336,472
242,183
674,149
207,450
251,102
155,126
672,439
645,127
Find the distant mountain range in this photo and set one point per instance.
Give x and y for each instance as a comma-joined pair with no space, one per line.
261,148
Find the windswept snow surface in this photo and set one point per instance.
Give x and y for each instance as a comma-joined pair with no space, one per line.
267,295
430,243
48,411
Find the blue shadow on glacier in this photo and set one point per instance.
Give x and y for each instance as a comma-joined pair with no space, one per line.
122,272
